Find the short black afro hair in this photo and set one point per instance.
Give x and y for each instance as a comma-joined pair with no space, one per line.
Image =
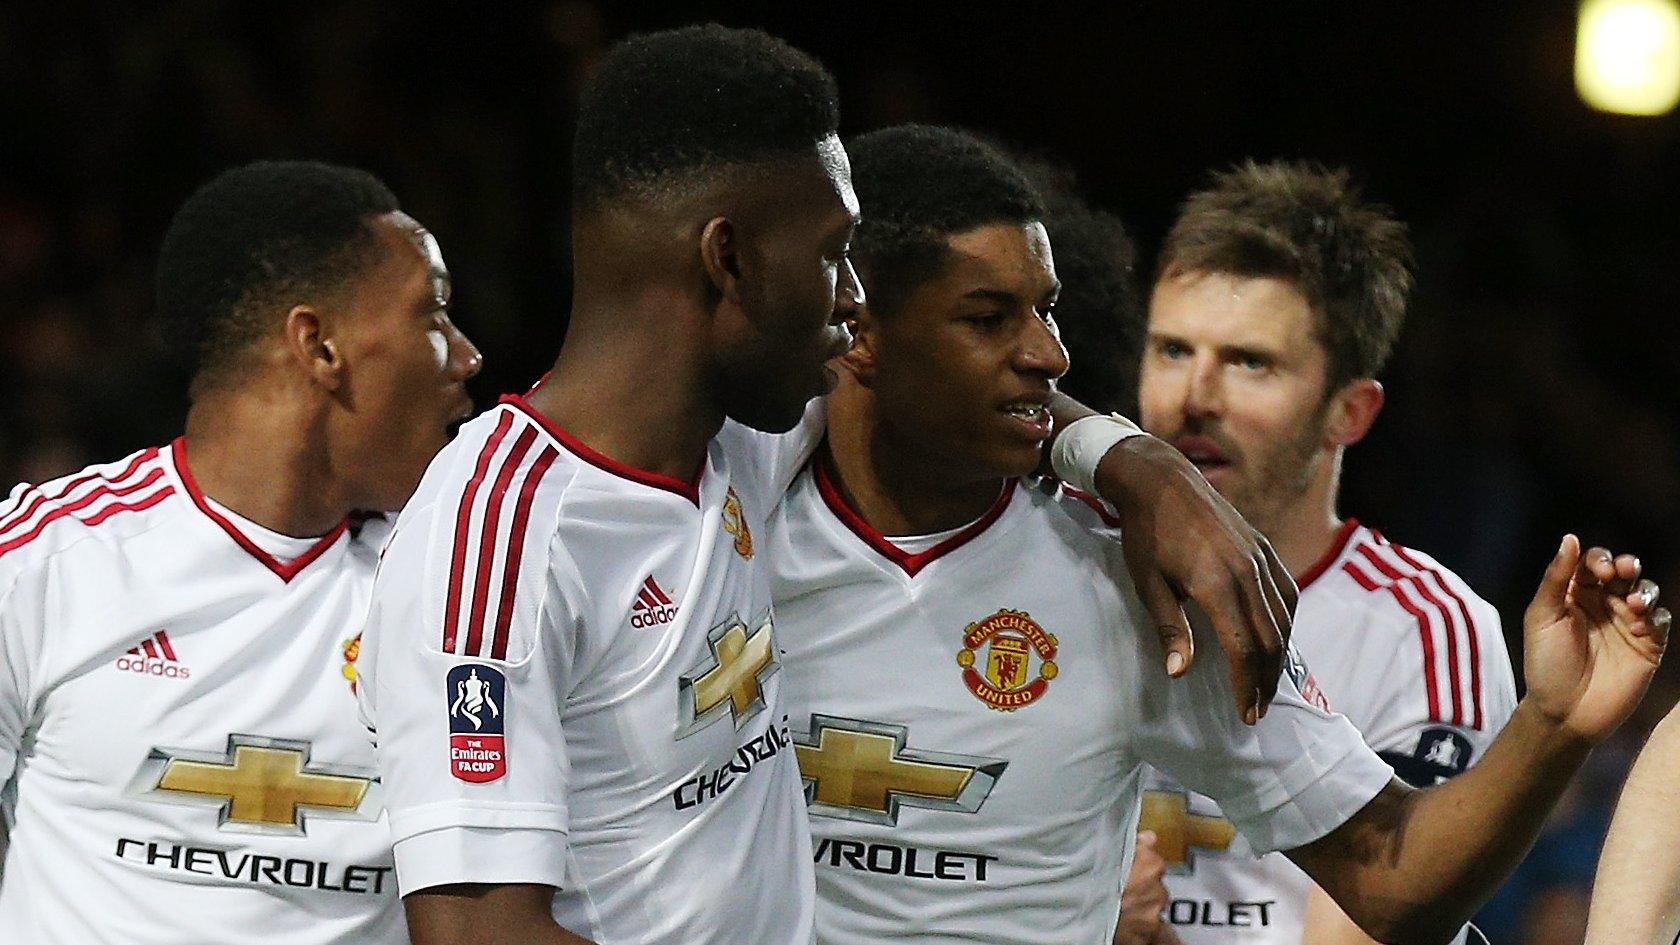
917,186
256,240
1100,310
667,105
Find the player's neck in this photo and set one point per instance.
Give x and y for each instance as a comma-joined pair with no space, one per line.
247,454
896,488
1303,532
628,383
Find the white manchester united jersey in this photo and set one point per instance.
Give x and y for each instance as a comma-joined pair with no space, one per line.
971,717
575,679
178,737
1413,658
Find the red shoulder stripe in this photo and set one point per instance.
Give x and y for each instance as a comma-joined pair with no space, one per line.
516,549
463,523
104,491
1473,645
1097,506
1449,625
488,536
24,512
1424,634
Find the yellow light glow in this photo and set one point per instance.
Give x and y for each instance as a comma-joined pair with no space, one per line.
1627,56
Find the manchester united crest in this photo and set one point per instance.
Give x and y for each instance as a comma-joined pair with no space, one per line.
352,649
998,657
736,524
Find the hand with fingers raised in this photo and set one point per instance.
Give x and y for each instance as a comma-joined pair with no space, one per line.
1592,639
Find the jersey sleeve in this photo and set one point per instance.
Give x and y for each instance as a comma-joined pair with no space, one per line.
1427,744
1295,776
18,639
472,634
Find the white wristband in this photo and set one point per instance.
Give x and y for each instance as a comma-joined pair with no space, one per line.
1084,443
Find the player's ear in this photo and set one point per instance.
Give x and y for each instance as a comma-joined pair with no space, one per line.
721,258
859,360
309,344
1352,411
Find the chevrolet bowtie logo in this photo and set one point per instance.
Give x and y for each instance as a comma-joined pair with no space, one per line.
862,771
1177,830
260,785
730,678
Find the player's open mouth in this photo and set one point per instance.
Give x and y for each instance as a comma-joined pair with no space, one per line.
1033,415
1203,453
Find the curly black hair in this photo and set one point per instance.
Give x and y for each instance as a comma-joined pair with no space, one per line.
1100,310
919,185
254,241
664,107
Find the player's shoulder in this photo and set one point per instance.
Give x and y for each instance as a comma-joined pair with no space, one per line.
1083,515
98,508
1367,572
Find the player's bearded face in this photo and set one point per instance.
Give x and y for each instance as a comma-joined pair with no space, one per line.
963,367
1235,378
406,366
798,291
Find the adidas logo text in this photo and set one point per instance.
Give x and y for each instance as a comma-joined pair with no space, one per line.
153,656
653,606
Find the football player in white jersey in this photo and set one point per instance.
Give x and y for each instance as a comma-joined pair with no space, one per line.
179,742
572,666
1279,297
972,700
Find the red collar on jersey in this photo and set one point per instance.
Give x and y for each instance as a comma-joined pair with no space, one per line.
286,571
1323,564
689,490
911,563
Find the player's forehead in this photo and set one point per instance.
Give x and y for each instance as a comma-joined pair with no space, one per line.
1013,257
1221,308
415,252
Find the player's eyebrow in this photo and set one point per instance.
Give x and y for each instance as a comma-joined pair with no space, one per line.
993,295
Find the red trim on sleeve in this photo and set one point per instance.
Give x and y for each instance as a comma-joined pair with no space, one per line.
516,550
24,512
285,572
1424,634
463,531
1469,626
488,538
689,490
910,563
1337,546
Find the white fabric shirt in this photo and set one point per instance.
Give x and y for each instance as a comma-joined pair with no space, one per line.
575,679
972,718
1413,658
179,742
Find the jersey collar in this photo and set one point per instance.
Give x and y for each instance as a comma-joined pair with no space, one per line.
1337,546
689,490
284,571
910,563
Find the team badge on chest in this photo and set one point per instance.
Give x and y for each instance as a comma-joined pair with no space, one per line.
998,657
735,523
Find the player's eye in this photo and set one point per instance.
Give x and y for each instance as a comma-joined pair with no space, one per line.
1173,350
987,321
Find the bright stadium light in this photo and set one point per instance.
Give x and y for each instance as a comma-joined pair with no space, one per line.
1627,56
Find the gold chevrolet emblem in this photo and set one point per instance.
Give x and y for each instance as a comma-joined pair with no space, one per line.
730,678
1177,830
863,771
261,785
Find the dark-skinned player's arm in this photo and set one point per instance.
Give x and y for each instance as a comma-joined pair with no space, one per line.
460,915
1413,865
1636,896
1183,542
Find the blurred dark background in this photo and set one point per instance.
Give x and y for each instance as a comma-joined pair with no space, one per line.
1531,393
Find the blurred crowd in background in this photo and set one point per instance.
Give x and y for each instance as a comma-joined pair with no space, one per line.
1532,391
